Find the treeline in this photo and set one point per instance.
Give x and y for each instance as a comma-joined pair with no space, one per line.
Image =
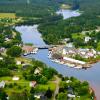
33,8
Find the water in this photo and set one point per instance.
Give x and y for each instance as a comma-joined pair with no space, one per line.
68,13
30,34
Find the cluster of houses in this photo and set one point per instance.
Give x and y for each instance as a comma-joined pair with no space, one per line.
29,50
66,55
84,53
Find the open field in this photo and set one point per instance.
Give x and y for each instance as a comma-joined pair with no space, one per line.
65,6
7,15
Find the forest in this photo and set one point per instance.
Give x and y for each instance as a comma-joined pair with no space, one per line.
29,8
89,20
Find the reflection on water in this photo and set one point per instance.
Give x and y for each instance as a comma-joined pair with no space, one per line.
68,13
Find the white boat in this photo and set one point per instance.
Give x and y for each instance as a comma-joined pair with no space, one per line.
79,67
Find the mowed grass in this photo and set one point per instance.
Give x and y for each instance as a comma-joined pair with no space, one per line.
45,87
7,15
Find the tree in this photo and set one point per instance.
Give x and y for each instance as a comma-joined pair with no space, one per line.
98,46
48,93
62,96
43,80
32,91
3,95
14,51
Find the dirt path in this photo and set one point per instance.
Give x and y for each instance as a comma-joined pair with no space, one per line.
57,81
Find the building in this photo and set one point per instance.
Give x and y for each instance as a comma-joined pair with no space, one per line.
40,96
29,49
74,61
32,84
37,71
2,84
15,78
70,45
18,62
2,50
1,58
87,39
68,50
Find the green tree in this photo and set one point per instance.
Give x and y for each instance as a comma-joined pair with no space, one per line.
48,93
3,95
14,51
62,96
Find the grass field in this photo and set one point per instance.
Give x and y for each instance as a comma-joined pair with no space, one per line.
7,15
65,6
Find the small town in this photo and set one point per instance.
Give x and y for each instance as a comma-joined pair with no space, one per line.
70,56
49,49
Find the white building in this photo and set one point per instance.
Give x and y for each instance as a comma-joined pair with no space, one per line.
70,45
2,84
1,58
32,84
87,39
15,78
74,61
18,62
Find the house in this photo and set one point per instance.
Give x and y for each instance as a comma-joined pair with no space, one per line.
68,81
87,39
69,45
32,83
7,39
68,50
29,49
2,84
1,58
18,62
71,95
37,71
70,92
15,78
40,96
2,50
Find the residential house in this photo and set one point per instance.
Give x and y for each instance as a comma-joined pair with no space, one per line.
2,84
70,45
32,83
15,78
29,49
87,39
2,49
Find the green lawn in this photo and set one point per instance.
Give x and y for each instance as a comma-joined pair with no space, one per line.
65,6
45,87
83,98
77,35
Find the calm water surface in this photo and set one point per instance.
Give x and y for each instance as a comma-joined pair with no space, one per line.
30,34
68,13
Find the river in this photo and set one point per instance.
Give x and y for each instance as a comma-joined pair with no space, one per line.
68,13
30,34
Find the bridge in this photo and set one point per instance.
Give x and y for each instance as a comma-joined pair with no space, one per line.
45,46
